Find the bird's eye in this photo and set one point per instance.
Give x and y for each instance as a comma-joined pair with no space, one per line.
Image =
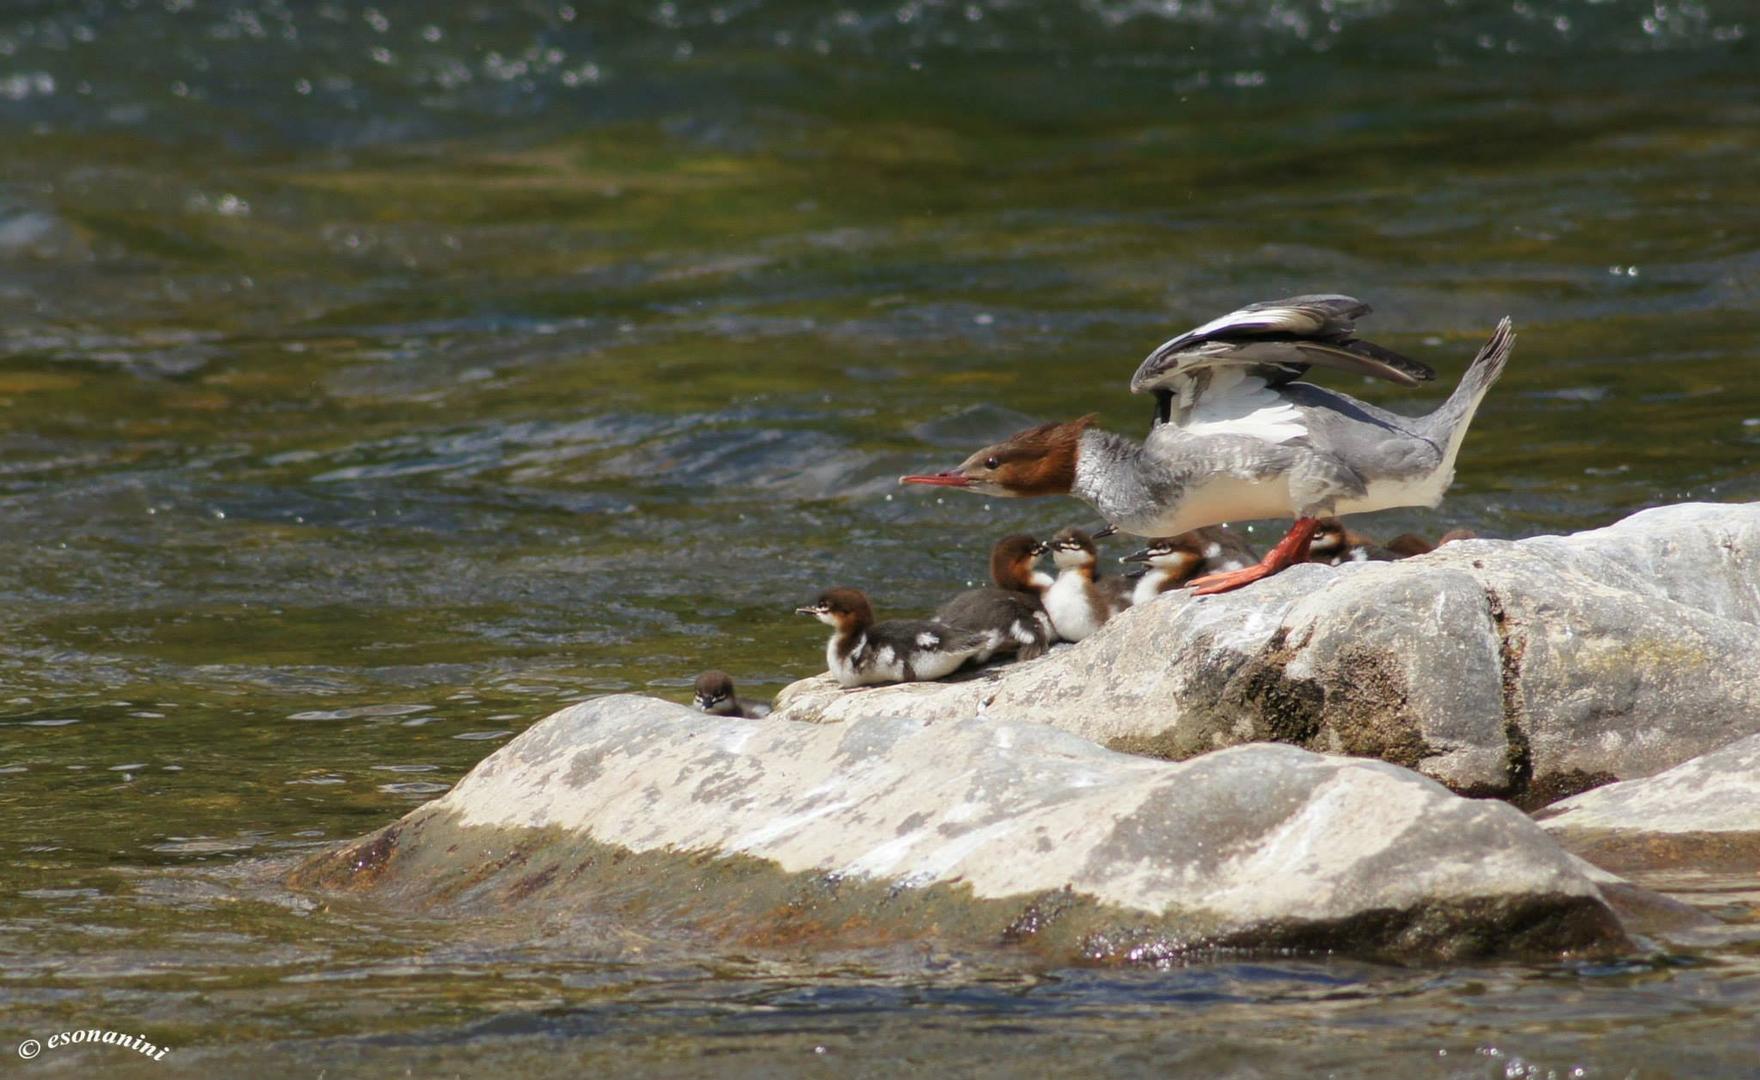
991,463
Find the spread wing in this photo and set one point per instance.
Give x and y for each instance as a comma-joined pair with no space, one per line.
1275,341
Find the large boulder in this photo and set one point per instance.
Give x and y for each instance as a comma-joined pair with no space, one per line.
973,831
1529,670
1703,816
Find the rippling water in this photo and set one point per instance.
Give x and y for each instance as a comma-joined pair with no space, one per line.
376,378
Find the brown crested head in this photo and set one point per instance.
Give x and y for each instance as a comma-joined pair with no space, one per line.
1073,547
1452,535
1038,461
1180,555
846,609
1012,559
714,690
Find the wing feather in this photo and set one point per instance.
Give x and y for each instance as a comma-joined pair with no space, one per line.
1274,340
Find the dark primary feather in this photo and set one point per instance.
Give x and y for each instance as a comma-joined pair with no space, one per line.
1279,340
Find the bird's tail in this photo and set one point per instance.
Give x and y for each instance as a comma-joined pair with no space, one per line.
1451,419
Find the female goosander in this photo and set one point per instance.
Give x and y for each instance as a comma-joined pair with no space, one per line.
1010,612
1236,438
1079,602
714,695
862,651
1175,560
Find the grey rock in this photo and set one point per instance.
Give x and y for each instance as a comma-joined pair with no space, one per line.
975,830
1702,815
1530,670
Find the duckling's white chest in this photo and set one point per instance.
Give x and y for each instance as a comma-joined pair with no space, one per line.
1070,603
1150,585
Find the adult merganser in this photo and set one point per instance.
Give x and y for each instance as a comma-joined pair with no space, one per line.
1010,612
714,695
1175,560
862,651
1080,601
1236,438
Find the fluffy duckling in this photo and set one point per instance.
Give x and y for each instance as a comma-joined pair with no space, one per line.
714,695
1009,612
1335,544
1080,601
1174,561
863,652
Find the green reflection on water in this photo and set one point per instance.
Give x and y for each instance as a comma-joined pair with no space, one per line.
477,423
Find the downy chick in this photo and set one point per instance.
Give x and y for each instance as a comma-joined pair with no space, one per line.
1080,601
714,695
862,652
1335,544
1009,613
1174,561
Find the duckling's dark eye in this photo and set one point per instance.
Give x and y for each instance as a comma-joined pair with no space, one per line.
991,463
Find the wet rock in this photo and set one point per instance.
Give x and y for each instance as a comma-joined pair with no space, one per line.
1702,815
1531,670
978,831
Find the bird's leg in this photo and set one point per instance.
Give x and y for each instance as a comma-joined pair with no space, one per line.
1292,549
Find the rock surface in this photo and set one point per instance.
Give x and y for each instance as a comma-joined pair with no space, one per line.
1530,670
1703,815
976,830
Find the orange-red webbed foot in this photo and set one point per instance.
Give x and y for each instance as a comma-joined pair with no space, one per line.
1292,549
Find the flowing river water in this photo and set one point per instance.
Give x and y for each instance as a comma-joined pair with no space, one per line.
377,377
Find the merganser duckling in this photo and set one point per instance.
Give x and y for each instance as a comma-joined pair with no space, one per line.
1335,544
862,652
714,695
1010,612
1175,560
1079,601
1236,438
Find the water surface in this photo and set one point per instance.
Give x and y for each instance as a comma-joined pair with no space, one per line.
375,379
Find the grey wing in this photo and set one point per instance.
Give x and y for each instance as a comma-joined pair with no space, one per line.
1277,341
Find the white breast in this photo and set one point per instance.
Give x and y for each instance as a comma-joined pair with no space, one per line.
1149,586
1067,603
